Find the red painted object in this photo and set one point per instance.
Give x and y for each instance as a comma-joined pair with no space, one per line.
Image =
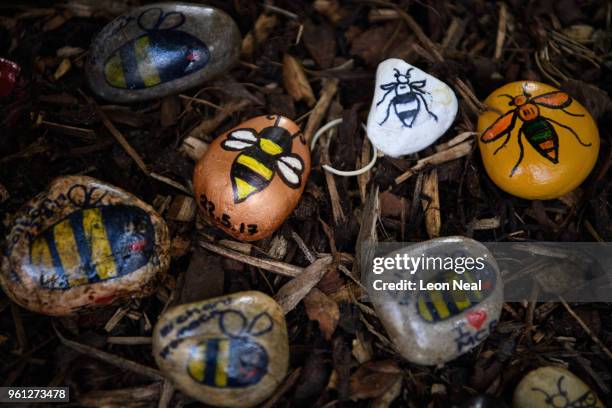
8,76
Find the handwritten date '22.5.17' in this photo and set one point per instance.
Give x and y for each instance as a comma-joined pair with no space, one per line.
225,219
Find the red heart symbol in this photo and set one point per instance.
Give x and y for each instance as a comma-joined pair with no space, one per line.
476,318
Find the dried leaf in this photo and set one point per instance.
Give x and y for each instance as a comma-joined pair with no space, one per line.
373,379
295,81
321,308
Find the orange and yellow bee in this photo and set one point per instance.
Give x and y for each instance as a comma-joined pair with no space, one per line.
537,129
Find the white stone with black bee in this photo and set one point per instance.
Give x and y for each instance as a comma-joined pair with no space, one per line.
410,110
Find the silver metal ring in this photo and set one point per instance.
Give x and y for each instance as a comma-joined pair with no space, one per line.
329,168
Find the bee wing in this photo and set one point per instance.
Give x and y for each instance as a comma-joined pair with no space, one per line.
500,127
388,86
232,322
240,139
290,168
261,324
418,84
553,100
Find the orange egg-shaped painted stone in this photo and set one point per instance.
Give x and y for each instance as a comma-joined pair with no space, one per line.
536,141
251,178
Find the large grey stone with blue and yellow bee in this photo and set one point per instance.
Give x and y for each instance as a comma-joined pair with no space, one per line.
230,351
161,49
82,244
554,387
429,323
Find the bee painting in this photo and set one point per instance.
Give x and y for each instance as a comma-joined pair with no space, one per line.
92,244
438,305
163,53
536,128
234,359
408,99
263,154
561,399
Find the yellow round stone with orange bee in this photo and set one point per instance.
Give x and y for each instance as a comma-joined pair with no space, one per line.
536,141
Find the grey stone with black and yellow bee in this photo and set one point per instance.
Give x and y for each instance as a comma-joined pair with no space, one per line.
81,244
433,326
554,387
230,351
161,49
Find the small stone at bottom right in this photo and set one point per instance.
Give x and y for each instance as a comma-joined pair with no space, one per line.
553,387
536,141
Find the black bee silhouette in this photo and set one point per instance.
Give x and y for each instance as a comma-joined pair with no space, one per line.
235,359
560,399
163,53
407,100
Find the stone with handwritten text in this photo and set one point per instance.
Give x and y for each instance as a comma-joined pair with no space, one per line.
82,244
443,302
230,351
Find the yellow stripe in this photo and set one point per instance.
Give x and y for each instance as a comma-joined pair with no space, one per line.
255,165
222,363
439,304
197,362
476,292
113,71
67,249
146,66
459,296
424,311
41,256
244,188
270,147
95,235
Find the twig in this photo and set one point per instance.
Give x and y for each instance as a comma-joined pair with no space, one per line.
291,293
280,268
453,153
330,87
501,31
119,137
111,358
585,328
171,182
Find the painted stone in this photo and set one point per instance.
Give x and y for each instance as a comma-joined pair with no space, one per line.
230,351
410,110
81,244
8,76
161,49
536,141
251,178
553,387
442,315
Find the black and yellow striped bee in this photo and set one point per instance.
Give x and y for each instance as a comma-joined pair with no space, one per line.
438,305
162,54
92,244
236,359
263,155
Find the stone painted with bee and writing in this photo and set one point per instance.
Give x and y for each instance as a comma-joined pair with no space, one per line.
410,110
80,244
161,49
230,351
536,142
443,305
251,178
554,387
